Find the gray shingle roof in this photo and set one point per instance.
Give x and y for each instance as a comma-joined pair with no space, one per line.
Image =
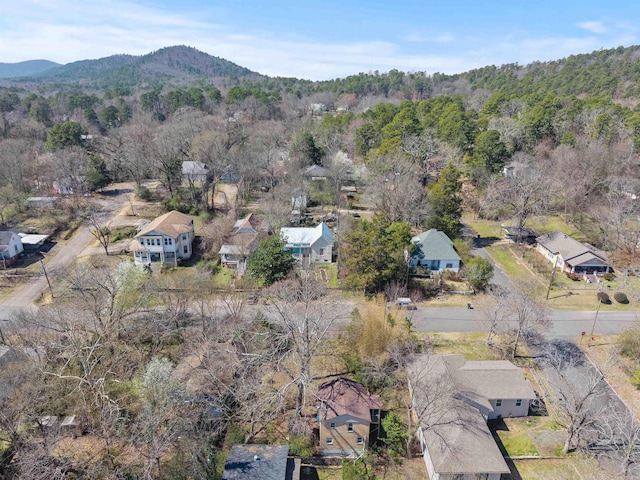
257,462
447,389
572,251
434,245
316,171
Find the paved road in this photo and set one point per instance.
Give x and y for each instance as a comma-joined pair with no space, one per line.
566,324
63,255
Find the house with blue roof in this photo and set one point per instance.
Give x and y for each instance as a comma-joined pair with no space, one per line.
434,250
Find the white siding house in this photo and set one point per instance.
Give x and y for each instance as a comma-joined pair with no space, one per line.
164,240
570,255
10,248
312,245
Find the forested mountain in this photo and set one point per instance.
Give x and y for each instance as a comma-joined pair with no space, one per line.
171,65
611,73
23,69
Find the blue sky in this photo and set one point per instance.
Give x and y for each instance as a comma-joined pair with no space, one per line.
320,39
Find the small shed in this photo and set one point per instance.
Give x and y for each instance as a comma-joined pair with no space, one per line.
519,234
41,202
70,426
47,421
32,241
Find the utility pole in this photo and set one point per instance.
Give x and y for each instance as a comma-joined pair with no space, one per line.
593,327
553,272
44,270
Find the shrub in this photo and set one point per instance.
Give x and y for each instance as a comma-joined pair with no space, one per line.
629,343
479,273
609,276
573,276
621,297
636,378
300,445
604,298
143,193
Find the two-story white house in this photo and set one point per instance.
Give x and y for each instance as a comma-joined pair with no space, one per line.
164,240
312,245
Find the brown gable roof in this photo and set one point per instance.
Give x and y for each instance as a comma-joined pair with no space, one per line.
171,224
346,397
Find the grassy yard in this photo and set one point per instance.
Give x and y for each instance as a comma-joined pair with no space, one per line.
547,469
470,344
618,372
330,274
484,228
565,293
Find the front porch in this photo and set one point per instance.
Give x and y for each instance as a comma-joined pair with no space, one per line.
143,257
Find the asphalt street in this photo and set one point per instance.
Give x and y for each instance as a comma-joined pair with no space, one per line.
565,324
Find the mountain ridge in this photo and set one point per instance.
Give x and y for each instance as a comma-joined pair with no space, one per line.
26,68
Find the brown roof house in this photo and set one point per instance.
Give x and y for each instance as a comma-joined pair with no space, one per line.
348,417
571,255
239,245
164,240
452,400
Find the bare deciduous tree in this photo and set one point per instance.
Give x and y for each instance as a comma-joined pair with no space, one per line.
579,388
301,310
617,436
397,193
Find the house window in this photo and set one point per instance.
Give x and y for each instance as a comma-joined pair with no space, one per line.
449,265
349,427
518,402
375,416
148,241
332,425
167,241
499,402
185,249
184,237
329,441
359,441
321,252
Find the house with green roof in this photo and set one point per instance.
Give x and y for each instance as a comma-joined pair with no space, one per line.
434,250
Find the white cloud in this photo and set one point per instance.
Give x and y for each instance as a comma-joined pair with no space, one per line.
593,27
445,38
70,30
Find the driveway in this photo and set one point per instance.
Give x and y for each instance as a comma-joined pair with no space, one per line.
110,202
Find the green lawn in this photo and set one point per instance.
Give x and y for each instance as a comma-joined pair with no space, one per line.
514,268
484,228
542,225
470,344
518,445
539,469
223,278
331,272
